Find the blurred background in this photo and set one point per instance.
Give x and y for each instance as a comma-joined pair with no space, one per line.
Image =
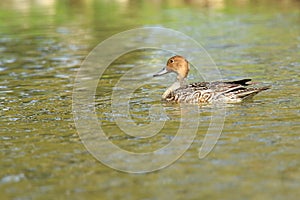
42,44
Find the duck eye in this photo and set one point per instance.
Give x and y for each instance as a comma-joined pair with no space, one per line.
171,61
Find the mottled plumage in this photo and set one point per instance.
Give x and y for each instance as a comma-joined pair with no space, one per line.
204,92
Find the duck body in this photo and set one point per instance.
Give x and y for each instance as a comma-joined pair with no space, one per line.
208,92
204,92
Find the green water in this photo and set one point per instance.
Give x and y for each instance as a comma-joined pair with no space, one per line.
42,46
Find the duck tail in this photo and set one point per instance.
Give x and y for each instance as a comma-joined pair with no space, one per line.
250,92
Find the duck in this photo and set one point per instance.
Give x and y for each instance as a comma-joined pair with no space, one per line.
204,92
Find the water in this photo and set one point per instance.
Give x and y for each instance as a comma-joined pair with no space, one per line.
42,46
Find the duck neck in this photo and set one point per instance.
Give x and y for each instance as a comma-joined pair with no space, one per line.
177,84
181,81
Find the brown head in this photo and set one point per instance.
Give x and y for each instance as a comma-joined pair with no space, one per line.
177,64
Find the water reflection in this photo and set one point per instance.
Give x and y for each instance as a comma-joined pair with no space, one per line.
52,6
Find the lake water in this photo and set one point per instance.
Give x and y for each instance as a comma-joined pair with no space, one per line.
42,46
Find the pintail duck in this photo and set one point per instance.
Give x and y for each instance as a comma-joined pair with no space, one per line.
204,92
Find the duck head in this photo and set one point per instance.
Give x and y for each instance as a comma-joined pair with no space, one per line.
177,64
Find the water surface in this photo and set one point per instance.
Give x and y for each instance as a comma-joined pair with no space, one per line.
42,46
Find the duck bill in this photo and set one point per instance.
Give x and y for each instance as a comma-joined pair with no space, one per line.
162,72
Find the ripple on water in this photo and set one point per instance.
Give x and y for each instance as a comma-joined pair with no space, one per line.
9,60
13,178
3,69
